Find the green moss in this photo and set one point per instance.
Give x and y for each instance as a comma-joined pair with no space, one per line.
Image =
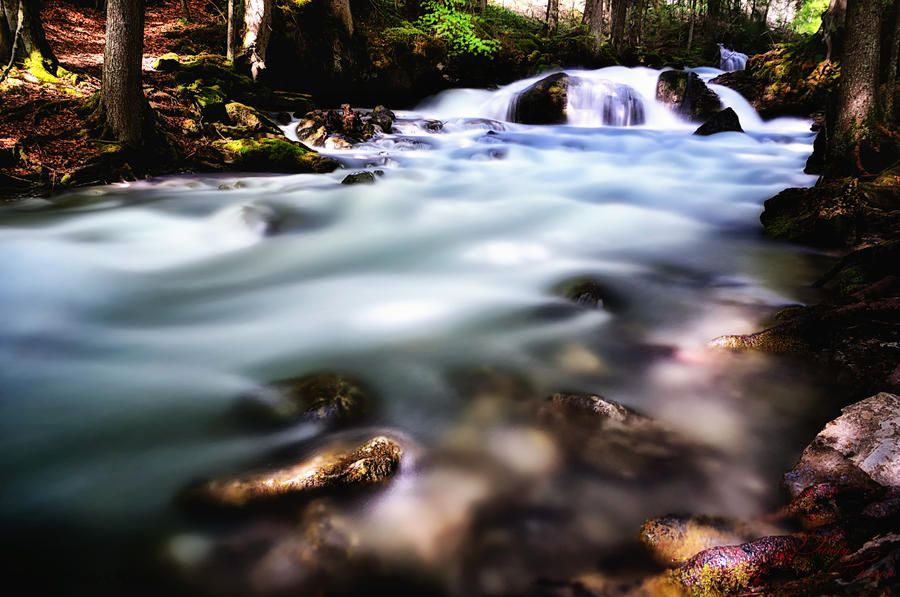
167,62
274,155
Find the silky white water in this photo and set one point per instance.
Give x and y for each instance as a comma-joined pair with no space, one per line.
136,313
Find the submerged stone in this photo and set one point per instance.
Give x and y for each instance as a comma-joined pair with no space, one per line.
325,397
370,463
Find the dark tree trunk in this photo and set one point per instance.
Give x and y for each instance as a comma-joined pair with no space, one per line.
892,68
341,10
257,27
690,39
619,9
833,28
593,19
229,33
552,16
122,94
186,10
32,42
857,88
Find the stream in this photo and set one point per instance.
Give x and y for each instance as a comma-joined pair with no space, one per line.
137,313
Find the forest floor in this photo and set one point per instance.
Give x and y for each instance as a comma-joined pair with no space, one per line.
42,136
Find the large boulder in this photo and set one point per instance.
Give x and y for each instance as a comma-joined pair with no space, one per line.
722,122
852,462
543,102
250,118
272,155
686,94
340,467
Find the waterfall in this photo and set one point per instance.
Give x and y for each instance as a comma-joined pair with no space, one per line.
730,60
603,102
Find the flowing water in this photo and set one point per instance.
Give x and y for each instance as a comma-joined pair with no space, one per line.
136,313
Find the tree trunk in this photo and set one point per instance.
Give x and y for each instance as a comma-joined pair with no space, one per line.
691,28
552,17
32,42
229,33
593,19
257,27
341,10
857,88
122,94
186,10
618,13
833,27
892,68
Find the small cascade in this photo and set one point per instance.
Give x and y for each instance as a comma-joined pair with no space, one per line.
730,60
601,101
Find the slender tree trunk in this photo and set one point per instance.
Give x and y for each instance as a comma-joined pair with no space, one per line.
858,85
122,94
229,33
892,68
691,27
186,10
618,15
833,28
341,9
552,17
257,27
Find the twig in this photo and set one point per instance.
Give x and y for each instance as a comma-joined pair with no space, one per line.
218,10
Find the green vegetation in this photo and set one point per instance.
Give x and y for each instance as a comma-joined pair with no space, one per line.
809,16
462,31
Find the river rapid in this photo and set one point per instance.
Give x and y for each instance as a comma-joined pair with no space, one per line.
135,314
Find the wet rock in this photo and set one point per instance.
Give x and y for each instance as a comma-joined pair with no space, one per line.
674,539
382,117
252,119
372,463
359,178
340,129
862,269
686,94
614,440
724,121
326,397
543,102
851,462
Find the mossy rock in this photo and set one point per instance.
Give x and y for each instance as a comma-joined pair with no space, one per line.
248,117
167,63
274,155
543,102
209,99
686,94
359,178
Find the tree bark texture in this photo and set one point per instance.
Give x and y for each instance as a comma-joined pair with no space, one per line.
619,10
892,67
257,28
857,88
593,19
341,10
229,33
122,93
552,16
